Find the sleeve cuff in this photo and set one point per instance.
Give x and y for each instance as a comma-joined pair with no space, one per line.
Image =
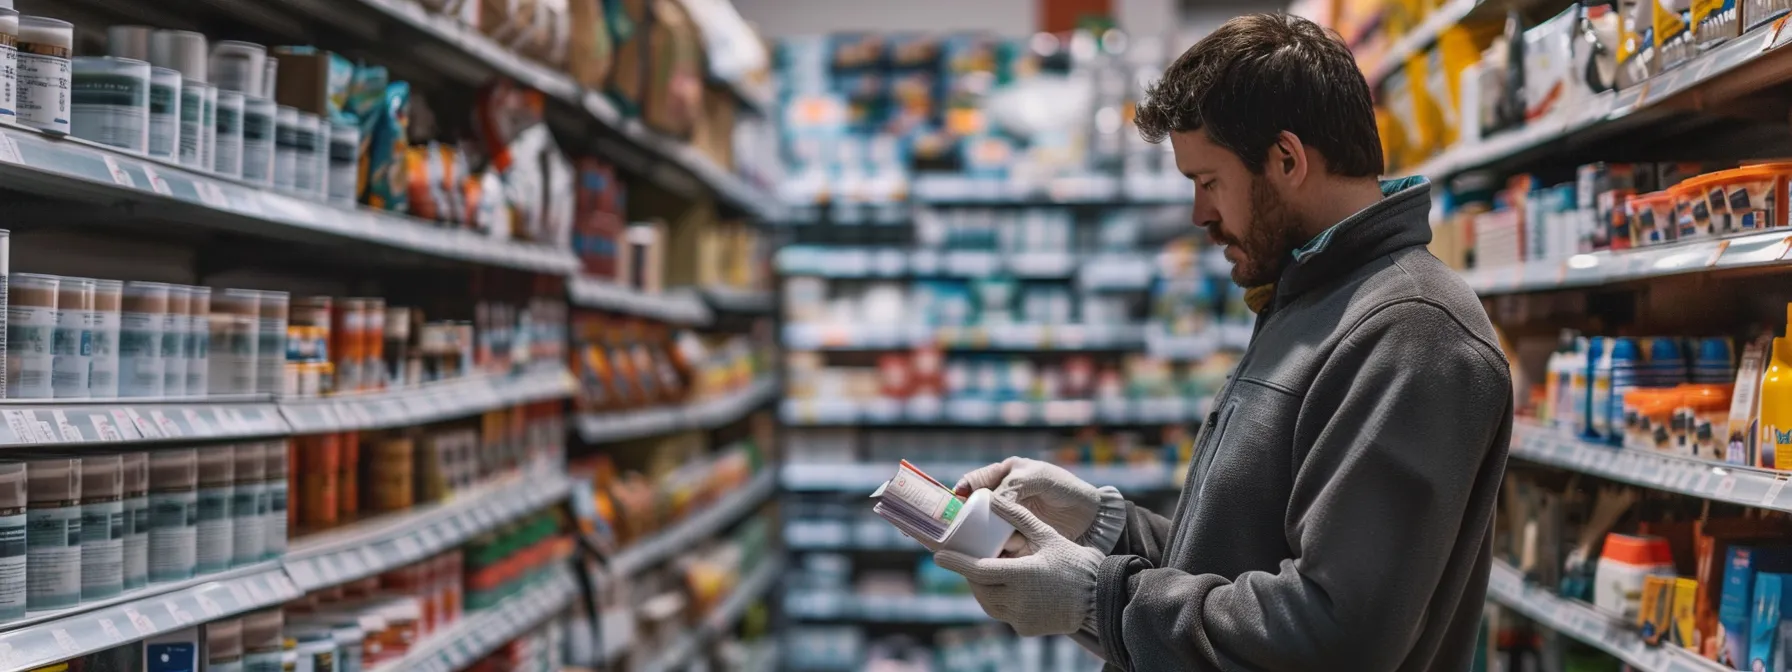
1113,590
1110,522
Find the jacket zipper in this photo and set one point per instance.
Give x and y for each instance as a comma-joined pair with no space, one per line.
1191,484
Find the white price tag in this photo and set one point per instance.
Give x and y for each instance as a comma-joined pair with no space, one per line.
120,177
9,151
155,181
232,420
65,641
104,429
210,194
22,431
110,630
139,622
256,594
1724,487
167,425
175,612
144,426
1773,492
69,433
237,593
207,605
200,425
407,546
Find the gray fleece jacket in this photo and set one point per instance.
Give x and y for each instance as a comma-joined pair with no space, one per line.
1338,514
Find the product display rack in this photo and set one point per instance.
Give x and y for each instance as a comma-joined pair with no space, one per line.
752,587
1506,586
76,422
683,307
935,609
705,524
1706,479
1749,250
1449,14
426,403
388,542
708,414
1010,337
481,632
985,413
41,639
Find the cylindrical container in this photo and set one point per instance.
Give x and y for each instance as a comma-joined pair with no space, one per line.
239,66
348,495
316,647
398,346
176,340
258,139
193,129
345,159
320,484
262,640
9,63
320,152
249,505
128,41
270,78
31,330
53,534
141,368
110,102
391,473
136,520
305,136
164,113
45,45
12,540
102,527
72,344
271,344
277,487
286,147
228,152
173,514
217,491
374,342
183,51
102,377
235,325
224,646
349,341
208,127
198,343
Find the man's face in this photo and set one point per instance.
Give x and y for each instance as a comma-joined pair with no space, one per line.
1239,209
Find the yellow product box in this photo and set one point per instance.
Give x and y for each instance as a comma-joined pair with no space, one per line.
1654,619
1686,627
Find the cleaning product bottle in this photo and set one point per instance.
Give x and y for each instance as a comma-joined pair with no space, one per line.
1556,378
1599,399
1625,360
1574,395
1776,399
1588,385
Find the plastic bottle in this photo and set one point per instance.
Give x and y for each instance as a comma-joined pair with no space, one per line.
1574,388
1599,398
1626,359
1776,398
1667,362
1585,384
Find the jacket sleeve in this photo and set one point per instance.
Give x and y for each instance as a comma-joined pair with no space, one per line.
1391,438
1144,534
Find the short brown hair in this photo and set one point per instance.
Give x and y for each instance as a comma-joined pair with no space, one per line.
1259,75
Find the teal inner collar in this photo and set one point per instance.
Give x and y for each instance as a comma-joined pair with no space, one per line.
1388,188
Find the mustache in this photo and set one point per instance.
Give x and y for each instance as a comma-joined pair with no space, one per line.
1217,235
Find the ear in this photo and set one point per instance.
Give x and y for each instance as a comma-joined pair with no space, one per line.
1288,161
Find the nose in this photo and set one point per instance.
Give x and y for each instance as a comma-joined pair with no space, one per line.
1204,212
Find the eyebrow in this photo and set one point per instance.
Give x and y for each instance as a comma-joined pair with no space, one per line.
1196,174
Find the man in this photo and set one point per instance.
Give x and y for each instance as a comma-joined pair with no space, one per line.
1338,512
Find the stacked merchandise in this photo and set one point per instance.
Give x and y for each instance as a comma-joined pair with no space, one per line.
667,481
625,364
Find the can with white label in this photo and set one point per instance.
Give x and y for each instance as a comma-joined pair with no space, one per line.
44,48
345,162
249,505
228,153
173,514
235,335
164,113
278,487
286,147
31,330
258,139
110,102
217,491
53,534
71,346
9,66
12,540
197,343
102,527
175,340
102,377
136,520
141,367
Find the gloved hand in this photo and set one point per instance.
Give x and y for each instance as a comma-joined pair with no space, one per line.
1062,500
1050,592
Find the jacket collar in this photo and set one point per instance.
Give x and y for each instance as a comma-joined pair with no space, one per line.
1398,221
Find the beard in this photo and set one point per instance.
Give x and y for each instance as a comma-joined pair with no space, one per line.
1268,242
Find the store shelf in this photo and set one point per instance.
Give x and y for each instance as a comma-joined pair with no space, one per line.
960,190
1755,52
479,633
1506,586
685,535
1420,37
1094,271
832,606
365,549
740,301
719,622
1022,337
1715,481
1199,345
70,168
865,477
683,306
424,404
625,425
76,422
671,163
48,637
1607,267
985,413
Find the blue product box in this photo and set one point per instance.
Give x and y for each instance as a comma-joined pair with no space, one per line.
1742,566
1764,619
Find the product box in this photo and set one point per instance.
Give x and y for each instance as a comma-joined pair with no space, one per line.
1742,566
1686,629
1764,619
303,80
1655,619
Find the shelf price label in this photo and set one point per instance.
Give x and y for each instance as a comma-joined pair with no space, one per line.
144,426
167,426
69,433
200,425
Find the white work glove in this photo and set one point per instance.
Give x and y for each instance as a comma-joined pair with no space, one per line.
1049,592
1079,511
